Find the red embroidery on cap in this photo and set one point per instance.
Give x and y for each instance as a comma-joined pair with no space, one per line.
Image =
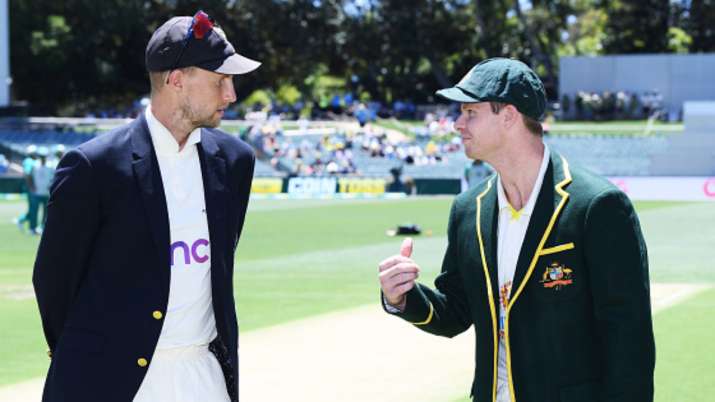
202,25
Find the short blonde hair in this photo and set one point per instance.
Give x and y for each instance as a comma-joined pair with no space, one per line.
532,125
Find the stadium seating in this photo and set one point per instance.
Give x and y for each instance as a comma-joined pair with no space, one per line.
264,169
18,140
609,155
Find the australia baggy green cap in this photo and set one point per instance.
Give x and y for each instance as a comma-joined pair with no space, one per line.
501,80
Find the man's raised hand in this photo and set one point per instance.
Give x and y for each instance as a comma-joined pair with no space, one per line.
398,274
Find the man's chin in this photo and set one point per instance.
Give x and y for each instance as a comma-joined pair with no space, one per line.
210,123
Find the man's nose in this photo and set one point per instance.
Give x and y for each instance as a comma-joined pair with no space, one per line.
459,124
229,94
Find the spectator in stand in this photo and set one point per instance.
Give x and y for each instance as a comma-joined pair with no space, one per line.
362,114
27,164
57,154
396,185
39,185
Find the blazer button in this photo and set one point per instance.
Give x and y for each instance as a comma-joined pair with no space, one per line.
142,362
157,315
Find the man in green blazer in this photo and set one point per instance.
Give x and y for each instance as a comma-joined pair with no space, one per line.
546,260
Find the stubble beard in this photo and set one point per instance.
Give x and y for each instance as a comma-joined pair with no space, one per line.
195,119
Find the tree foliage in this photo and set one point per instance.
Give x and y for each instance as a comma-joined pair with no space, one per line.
89,54
637,26
700,25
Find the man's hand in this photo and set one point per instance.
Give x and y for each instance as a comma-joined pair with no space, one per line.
398,274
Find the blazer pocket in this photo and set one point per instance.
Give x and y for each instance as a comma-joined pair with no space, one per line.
556,249
558,274
584,392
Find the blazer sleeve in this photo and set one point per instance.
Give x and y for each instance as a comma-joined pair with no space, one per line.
65,247
442,311
244,193
617,259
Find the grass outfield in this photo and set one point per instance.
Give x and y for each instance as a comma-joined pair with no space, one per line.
623,127
301,258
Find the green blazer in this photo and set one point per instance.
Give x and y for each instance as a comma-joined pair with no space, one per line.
578,325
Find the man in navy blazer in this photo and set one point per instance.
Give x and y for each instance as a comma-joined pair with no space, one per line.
134,271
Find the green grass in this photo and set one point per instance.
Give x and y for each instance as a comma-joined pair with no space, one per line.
298,258
17,251
325,225
403,126
616,128
685,361
625,127
23,349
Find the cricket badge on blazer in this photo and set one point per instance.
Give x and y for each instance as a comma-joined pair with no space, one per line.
556,276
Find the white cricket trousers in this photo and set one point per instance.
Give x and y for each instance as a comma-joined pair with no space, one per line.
183,374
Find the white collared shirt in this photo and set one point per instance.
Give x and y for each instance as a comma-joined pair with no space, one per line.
189,319
512,228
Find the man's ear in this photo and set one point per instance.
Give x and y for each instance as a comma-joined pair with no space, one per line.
175,79
509,116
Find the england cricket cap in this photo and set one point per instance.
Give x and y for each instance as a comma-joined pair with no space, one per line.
194,42
501,80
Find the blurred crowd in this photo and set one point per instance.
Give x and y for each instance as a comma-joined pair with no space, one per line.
338,106
621,105
331,151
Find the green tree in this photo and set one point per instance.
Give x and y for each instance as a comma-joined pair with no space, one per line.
400,50
584,30
290,37
637,26
81,55
541,29
700,25
678,40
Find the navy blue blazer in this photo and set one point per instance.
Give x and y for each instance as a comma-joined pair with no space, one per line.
101,275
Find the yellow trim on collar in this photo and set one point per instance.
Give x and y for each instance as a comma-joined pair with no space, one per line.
515,215
429,316
557,249
490,294
564,197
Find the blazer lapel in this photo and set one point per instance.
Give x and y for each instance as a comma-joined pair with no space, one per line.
151,187
213,172
549,204
543,209
486,225
487,219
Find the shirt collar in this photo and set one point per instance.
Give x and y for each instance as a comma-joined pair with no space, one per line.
161,137
529,207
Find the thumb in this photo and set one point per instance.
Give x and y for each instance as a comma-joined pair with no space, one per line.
406,247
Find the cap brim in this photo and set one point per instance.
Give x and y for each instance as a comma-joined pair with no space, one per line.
237,64
456,95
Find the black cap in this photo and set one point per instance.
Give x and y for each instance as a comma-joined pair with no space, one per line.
172,46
